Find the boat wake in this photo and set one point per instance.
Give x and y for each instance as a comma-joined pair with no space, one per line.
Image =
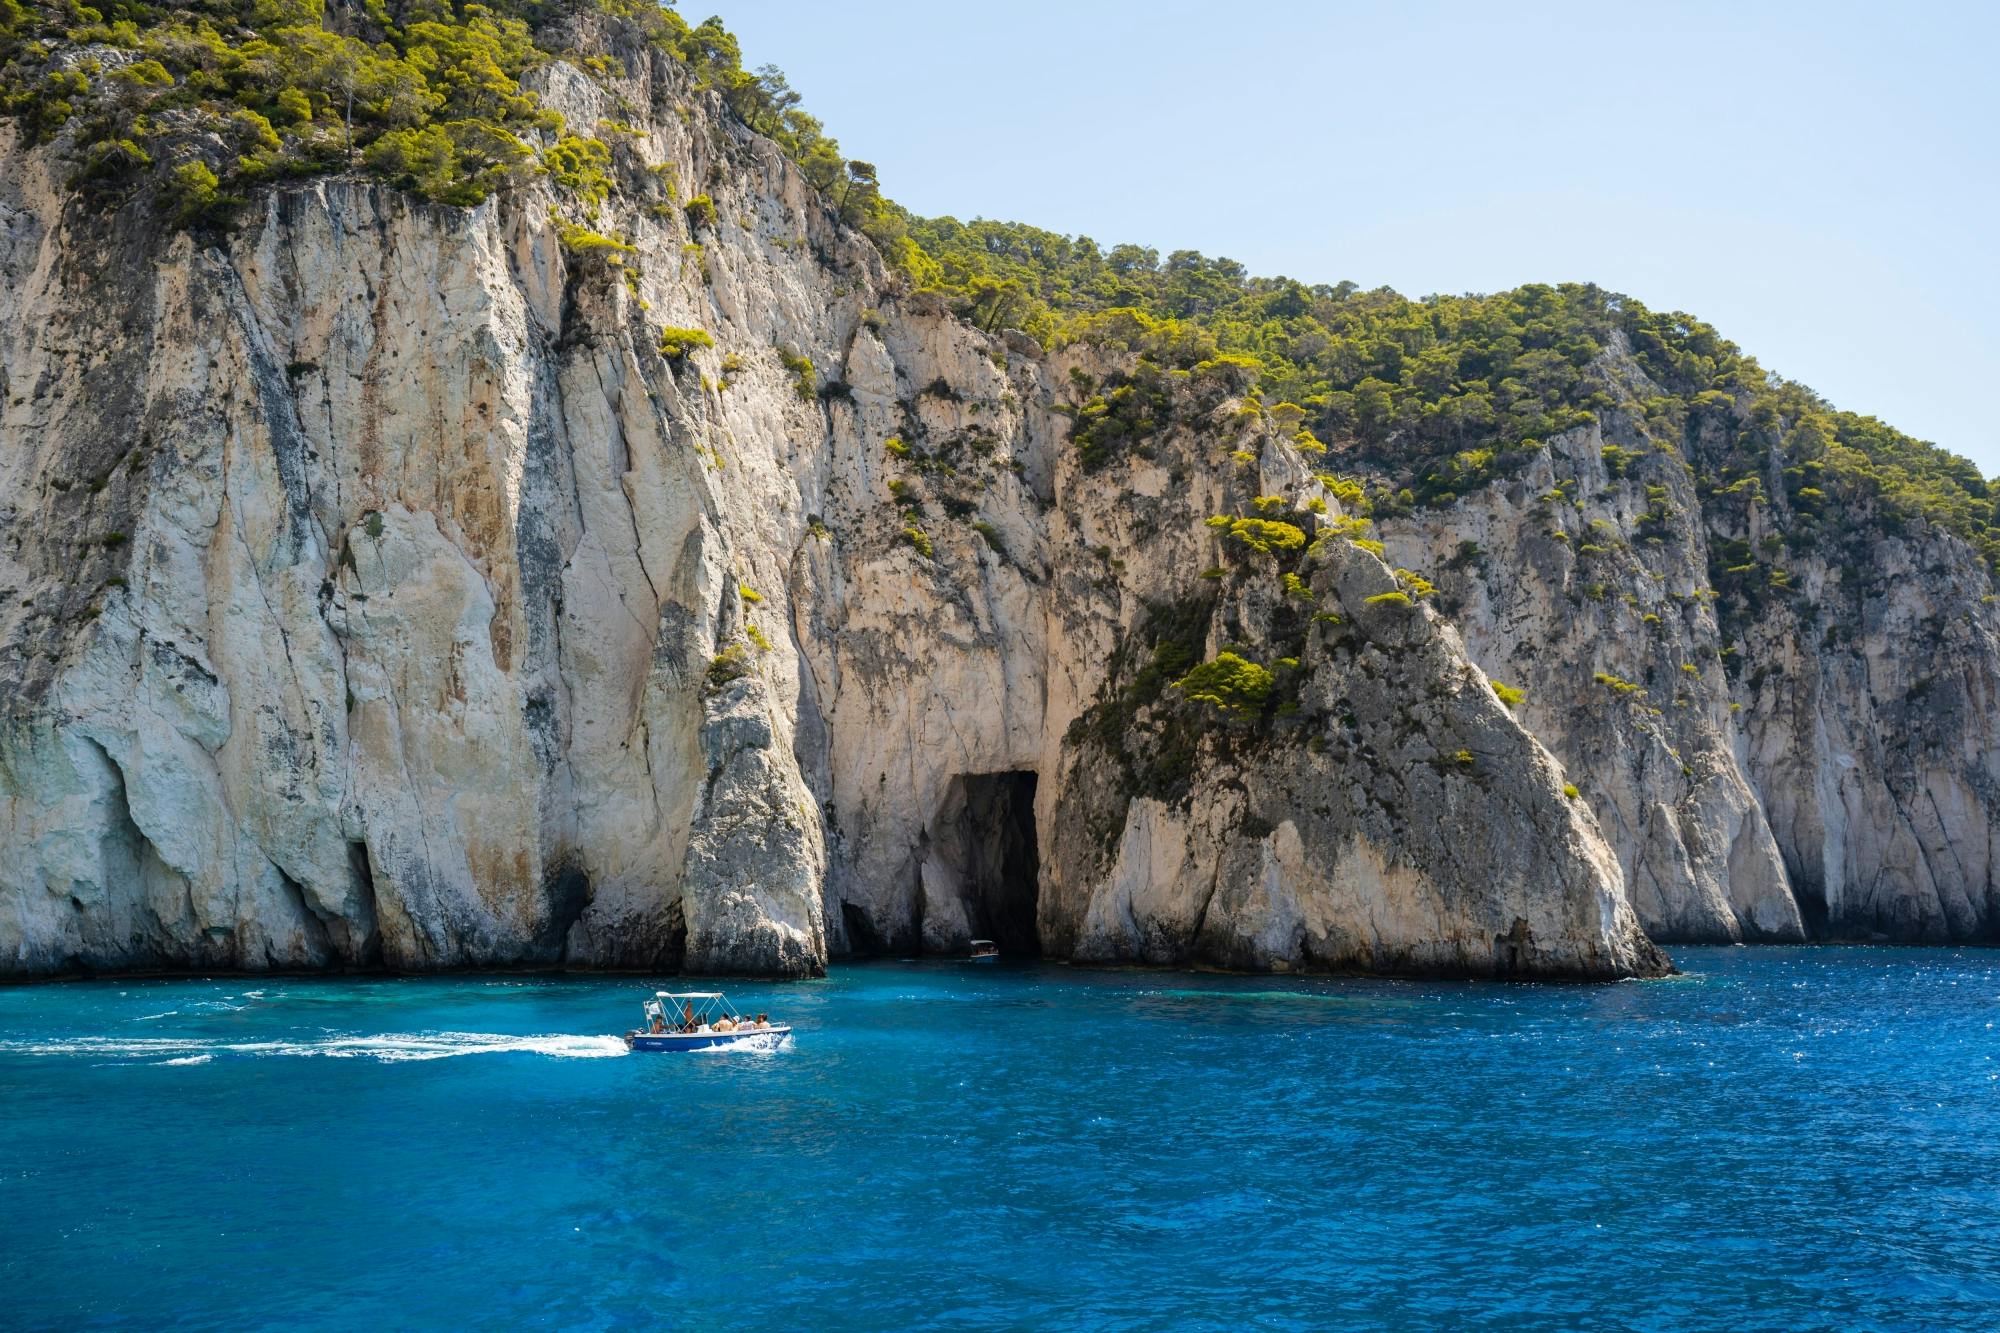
753,1045
204,1007
388,1047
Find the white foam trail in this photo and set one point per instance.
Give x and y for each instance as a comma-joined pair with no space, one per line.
753,1046
388,1047
444,1045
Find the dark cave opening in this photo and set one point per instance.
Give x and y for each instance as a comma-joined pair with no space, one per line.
566,890
984,840
863,940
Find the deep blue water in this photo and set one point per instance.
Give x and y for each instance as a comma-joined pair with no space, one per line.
1779,1139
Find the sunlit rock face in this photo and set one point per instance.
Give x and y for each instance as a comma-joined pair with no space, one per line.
1819,764
376,592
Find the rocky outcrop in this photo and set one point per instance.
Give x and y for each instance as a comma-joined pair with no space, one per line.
1402,821
363,571
1615,642
1811,759
378,588
1357,838
377,594
1871,707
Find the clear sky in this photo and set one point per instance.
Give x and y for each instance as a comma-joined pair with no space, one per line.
1820,181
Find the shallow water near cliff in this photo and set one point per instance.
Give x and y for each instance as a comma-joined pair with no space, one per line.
1780,1138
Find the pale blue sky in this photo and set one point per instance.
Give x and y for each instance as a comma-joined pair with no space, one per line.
1820,181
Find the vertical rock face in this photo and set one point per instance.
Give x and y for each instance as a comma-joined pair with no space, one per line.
1873,731
1354,837
363,576
376,591
1815,761
1618,649
1407,824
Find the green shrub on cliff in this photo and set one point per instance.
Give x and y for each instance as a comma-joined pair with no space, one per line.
586,244
429,95
1123,417
675,344
1234,684
805,380
580,167
1416,584
1261,535
458,163
192,192
732,663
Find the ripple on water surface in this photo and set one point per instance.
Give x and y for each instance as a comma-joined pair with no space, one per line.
1781,1138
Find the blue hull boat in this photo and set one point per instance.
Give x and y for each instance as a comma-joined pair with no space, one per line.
757,1039
703,1021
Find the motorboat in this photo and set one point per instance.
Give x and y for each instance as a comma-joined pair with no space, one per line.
984,951
703,1021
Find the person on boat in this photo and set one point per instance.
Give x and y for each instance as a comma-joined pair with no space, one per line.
725,1024
687,1018
659,1023
763,1020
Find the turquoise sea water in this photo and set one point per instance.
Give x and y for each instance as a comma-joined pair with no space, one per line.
1779,1139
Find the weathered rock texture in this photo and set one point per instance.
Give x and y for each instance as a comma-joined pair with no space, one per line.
1823,763
363,573
374,592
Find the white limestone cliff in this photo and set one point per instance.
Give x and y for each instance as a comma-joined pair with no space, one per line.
1819,764
375,592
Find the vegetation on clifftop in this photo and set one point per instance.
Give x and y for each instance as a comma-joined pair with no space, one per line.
204,98
1440,396
200,100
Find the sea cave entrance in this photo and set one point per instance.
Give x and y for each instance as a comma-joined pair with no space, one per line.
982,873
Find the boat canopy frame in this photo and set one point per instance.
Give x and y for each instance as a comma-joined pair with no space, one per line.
705,1007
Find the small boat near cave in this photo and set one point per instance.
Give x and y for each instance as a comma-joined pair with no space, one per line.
984,951
703,1021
